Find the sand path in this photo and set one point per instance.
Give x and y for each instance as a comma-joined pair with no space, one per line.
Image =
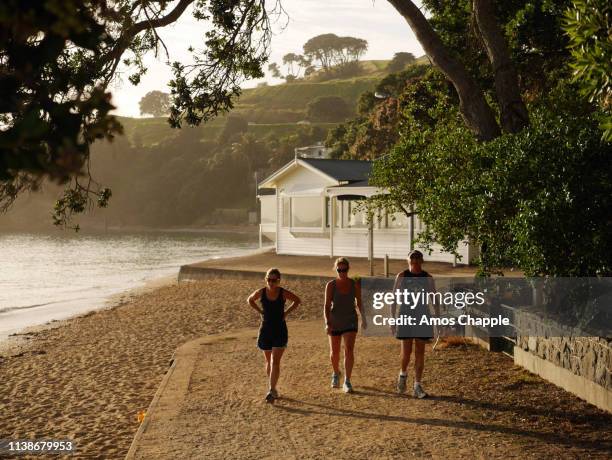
481,406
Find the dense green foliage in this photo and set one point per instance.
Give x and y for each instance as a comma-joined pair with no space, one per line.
538,200
588,24
328,108
375,130
532,29
51,108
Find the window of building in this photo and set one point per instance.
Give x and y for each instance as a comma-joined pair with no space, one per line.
268,209
306,211
352,217
396,220
286,211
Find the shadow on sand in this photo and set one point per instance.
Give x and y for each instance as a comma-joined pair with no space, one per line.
309,408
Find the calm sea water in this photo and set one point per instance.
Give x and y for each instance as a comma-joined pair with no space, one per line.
46,277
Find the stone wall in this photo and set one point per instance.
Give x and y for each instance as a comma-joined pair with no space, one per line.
587,357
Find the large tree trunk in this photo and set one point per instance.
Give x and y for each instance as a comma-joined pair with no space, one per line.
514,115
478,115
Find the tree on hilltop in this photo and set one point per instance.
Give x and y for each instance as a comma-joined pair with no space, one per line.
156,103
329,50
400,61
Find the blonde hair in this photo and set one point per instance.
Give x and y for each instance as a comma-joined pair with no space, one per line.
273,271
341,260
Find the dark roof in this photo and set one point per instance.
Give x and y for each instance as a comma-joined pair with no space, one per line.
266,191
350,170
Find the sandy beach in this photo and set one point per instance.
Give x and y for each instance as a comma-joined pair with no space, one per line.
87,378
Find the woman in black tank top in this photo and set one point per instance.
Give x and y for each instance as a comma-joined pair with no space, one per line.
273,335
419,335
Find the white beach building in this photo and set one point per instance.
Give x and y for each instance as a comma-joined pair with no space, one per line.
308,208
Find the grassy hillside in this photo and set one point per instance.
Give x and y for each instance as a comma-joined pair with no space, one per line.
268,109
298,94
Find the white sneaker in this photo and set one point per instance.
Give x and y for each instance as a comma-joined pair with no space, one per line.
347,387
401,384
335,380
418,391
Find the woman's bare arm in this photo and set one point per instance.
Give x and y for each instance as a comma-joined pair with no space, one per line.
295,301
252,299
396,286
364,323
327,306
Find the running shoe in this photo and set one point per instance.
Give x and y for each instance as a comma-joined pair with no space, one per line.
274,394
270,397
335,381
419,392
347,387
401,384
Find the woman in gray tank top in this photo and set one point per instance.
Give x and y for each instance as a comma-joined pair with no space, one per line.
342,299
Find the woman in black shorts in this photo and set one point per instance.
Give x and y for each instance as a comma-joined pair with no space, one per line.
342,298
419,280
273,336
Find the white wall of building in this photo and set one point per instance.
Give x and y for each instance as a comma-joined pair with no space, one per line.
301,200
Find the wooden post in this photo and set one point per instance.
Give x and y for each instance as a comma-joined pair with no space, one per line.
386,265
371,246
411,247
332,224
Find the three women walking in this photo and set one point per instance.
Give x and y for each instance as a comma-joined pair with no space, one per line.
342,312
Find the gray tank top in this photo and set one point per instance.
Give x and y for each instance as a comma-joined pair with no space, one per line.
343,314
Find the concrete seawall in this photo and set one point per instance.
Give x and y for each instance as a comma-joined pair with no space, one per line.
191,273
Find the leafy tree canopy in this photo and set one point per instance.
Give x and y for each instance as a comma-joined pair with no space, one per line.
57,58
588,25
328,108
156,103
330,50
400,61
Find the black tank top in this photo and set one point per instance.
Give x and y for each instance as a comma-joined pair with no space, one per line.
417,285
273,310
407,274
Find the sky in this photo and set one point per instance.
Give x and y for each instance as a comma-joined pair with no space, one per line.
373,20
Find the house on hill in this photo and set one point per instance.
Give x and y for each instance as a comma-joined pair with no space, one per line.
308,207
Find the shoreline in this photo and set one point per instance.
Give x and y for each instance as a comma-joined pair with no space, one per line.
219,229
15,339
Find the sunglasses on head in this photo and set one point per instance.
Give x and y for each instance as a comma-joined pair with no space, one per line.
273,280
342,270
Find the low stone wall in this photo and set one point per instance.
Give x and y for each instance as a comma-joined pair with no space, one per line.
191,273
581,365
587,357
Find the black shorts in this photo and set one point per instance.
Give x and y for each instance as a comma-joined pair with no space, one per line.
272,336
343,331
425,339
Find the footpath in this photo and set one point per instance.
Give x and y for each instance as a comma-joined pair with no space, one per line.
211,405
